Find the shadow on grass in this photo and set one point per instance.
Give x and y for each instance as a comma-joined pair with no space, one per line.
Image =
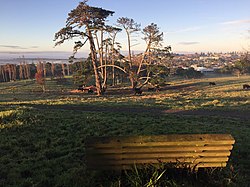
137,109
48,149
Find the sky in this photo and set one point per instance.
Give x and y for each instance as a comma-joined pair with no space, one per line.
28,26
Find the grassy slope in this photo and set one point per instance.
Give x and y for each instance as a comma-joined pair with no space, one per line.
45,147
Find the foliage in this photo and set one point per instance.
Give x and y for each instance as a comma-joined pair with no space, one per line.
83,72
130,27
86,23
87,20
82,16
152,35
179,174
243,65
226,70
40,79
158,74
153,55
188,73
147,175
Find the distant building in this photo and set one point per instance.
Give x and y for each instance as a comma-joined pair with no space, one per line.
203,69
209,58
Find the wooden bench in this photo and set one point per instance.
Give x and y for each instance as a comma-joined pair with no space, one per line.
194,150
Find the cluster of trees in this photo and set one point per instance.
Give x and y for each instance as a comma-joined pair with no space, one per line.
22,71
88,24
188,73
12,72
241,67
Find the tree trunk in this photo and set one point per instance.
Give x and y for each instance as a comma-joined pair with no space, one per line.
100,50
94,62
143,56
9,71
27,67
53,69
105,68
25,71
68,69
20,71
3,73
14,71
113,61
132,79
44,70
129,48
63,70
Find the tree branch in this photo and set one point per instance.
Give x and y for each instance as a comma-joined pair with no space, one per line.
110,65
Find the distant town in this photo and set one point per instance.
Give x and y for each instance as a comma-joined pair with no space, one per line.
203,62
206,62
193,65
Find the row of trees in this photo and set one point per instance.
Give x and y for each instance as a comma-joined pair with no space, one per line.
88,24
13,72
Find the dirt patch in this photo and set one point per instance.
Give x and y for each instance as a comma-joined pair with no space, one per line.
128,91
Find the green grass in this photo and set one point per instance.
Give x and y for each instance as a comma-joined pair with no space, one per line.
42,146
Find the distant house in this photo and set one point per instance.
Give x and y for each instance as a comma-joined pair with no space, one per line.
209,58
203,69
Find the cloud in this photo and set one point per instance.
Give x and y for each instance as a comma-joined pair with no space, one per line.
236,22
18,47
12,46
188,43
33,47
188,29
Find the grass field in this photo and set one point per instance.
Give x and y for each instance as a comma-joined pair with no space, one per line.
42,134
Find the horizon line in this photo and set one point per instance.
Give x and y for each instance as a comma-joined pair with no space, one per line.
4,55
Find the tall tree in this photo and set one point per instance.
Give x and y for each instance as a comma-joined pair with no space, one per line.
153,38
8,68
152,63
27,67
130,26
113,31
3,72
63,69
68,70
14,71
81,23
52,70
106,47
99,43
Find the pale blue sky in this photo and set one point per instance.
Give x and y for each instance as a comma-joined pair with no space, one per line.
188,26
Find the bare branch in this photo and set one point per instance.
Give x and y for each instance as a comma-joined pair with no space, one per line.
110,65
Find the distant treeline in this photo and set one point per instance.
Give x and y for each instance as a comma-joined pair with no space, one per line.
13,72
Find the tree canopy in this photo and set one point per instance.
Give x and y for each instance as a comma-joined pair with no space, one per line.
88,24
82,22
